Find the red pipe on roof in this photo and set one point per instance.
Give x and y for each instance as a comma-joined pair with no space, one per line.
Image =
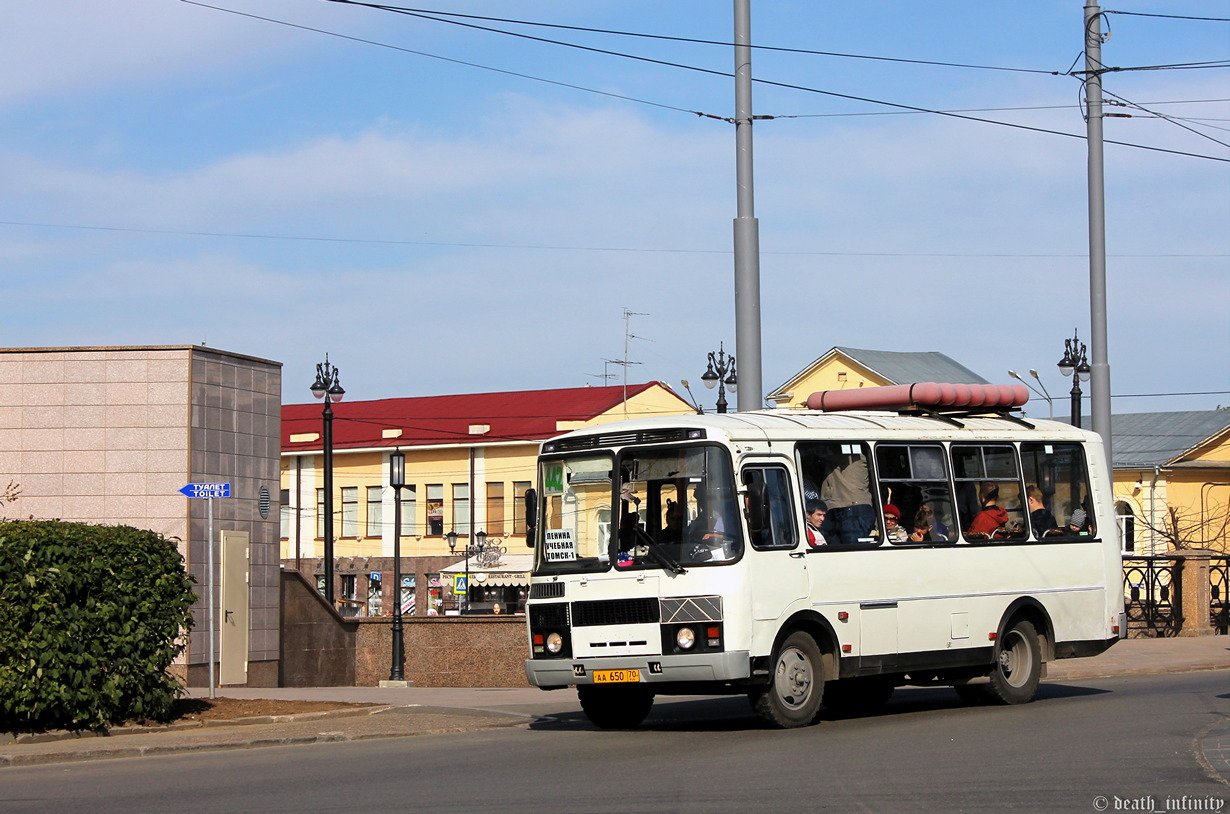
928,395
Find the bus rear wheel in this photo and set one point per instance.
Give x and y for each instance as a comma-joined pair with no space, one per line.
1018,665
616,707
792,697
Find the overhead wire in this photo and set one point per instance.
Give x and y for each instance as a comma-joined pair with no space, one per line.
709,71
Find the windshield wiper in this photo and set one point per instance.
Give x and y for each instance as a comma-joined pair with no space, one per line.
655,553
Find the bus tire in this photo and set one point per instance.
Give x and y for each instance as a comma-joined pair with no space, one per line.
616,707
858,696
1018,665
796,686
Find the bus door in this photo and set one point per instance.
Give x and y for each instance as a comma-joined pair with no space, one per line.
776,565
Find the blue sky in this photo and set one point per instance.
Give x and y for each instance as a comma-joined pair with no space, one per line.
464,211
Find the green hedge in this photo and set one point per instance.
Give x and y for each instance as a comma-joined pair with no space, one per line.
91,617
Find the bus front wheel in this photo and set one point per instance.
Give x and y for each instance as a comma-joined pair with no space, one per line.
792,697
615,707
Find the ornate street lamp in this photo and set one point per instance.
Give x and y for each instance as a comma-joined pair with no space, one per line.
397,479
721,373
328,388
1075,363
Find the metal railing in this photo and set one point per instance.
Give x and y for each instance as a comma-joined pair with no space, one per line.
1150,587
1148,596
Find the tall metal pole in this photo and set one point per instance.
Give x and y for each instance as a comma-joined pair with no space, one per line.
747,229
1099,395
209,547
397,479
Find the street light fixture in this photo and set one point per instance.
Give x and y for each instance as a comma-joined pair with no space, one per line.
721,374
1050,403
397,479
328,388
1075,363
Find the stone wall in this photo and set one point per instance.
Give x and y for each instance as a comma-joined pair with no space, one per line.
450,651
318,645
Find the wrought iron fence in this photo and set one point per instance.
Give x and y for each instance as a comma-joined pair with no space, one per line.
1219,608
1148,588
1153,609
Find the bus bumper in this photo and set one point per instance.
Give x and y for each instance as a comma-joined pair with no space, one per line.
699,667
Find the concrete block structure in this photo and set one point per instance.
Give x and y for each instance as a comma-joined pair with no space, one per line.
111,434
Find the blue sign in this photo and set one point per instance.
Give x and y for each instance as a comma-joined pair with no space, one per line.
207,490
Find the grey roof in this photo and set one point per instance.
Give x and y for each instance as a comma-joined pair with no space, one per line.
1145,440
917,366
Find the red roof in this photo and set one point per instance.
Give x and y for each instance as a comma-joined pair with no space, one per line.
527,415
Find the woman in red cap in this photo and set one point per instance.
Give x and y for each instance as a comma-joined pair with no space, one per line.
893,531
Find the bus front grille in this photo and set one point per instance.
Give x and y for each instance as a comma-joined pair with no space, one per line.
615,612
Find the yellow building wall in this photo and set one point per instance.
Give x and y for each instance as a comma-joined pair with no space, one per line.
502,464
834,372
1199,496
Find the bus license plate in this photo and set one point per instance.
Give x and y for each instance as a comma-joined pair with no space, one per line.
616,676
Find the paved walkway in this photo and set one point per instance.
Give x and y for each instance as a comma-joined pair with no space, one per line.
400,712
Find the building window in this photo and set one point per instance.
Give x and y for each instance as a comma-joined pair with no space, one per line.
409,507
495,509
519,489
1127,526
461,509
320,513
287,513
375,512
350,511
435,509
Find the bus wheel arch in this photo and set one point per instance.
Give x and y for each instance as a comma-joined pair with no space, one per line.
804,657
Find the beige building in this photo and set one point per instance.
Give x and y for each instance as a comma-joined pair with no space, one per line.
111,435
469,460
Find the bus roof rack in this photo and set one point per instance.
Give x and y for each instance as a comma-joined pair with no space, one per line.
926,398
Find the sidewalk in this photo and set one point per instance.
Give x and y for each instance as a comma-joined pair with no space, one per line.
401,712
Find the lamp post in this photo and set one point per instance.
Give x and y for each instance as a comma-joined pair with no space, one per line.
397,479
480,540
721,373
328,388
451,537
1050,403
1075,363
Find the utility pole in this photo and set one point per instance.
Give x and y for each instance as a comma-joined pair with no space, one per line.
627,336
1099,396
747,229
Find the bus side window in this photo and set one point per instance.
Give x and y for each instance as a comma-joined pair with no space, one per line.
1057,476
914,478
838,474
990,501
769,509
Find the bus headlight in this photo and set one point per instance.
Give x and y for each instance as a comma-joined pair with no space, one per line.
555,643
685,637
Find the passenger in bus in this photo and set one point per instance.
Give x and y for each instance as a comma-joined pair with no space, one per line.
925,528
847,491
1040,517
672,528
816,512
992,518
894,532
1078,524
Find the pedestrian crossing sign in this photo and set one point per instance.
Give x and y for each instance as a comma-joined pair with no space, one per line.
459,583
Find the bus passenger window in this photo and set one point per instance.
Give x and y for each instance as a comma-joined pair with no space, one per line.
837,473
914,479
989,494
1060,504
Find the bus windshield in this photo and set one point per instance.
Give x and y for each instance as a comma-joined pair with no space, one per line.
669,508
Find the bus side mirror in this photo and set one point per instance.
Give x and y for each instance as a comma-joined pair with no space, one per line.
531,516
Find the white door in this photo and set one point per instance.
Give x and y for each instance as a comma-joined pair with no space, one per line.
233,657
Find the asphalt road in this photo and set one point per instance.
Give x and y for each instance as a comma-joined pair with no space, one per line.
1120,744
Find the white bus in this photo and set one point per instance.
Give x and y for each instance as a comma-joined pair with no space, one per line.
674,556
